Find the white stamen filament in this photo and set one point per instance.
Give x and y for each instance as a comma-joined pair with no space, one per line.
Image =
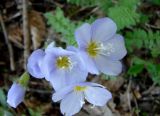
106,50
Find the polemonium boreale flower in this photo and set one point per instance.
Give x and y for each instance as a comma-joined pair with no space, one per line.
100,47
72,97
34,63
15,95
63,67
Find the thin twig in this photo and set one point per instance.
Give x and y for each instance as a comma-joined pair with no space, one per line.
13,16
9,46
136,104
26,32
128,95
149,90
152,26
16,43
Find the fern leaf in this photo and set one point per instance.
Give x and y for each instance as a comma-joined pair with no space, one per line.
83,2
62,25
123,16
129,3
149,40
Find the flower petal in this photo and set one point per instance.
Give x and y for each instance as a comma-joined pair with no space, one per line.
51,45
49,61
118,50
48,65
58,79
78,72
103,29
76,75
72,48
90,84
58,51
97,96
34,63
57,96
77,57
15,95
72,104
107,66
83,35
90,64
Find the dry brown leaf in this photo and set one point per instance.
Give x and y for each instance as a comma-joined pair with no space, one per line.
125,100
112,106
15,34
108,112
114,85
157,23
137,94
155,91
37,27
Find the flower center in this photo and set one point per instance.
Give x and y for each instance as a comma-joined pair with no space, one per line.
80,88
63,62
92,49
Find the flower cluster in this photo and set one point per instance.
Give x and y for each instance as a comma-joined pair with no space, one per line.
99,50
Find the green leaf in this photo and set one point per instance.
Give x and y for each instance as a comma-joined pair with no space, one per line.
151,67
144,18
156,2
36,112
123,16
135,69
4,112
154,71
137,60
129,3
124,13
3,98
62,25
148,40
104,5
24,79
83,2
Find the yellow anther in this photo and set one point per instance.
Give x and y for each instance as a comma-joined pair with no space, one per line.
80,88
92,49
63,62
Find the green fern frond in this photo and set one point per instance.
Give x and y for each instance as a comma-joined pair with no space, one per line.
138,65
153,43
149,40
135,37
83,2
129,3
123,16
62,25
104,5
124,13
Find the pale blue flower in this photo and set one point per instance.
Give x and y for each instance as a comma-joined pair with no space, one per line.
35,62
73,97
59,66
15,95
100,47
63,67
